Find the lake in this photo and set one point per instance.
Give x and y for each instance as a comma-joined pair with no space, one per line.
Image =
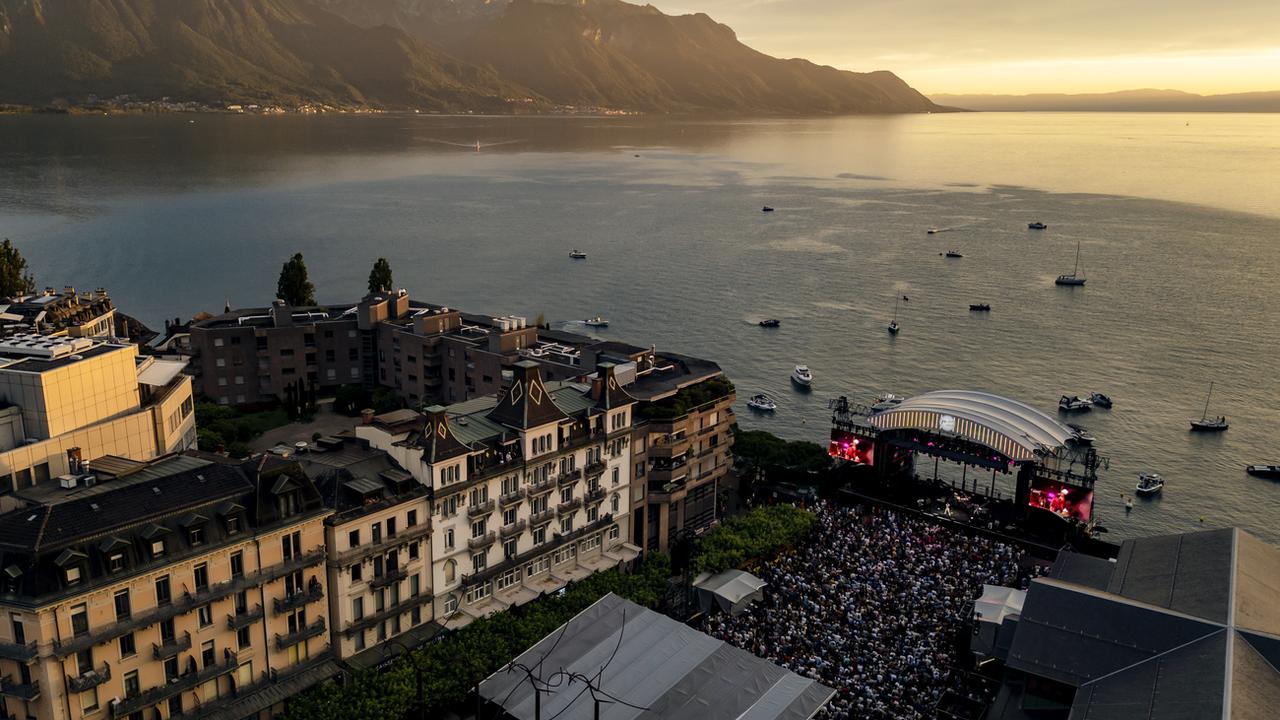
1176,217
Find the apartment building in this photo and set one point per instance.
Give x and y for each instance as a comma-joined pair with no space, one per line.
183,587
378,541
65,400
424,353
529,487
60,314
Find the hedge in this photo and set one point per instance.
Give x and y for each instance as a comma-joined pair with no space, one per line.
759,534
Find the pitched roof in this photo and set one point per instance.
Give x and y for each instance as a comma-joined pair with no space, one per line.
608,391
526,403
437,440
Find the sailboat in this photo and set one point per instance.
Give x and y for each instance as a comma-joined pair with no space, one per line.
893,324
1075,278
1206,423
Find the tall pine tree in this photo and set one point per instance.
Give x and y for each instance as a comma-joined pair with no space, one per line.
14,278
294,287
380,277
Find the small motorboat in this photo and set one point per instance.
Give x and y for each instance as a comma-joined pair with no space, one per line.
1149,484
952,254
1036,226
894,327
1081,434
1271,472
596,321
1206,423
979,307
1100,400
1072,403
762,402
802,377
577,255
770,323
766,208
885,401
933,231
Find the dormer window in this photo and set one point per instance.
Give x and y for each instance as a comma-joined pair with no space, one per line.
72,564
72,575
233,525
194,523
195,536
157,548
115,562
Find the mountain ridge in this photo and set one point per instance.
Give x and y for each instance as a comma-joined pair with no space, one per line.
1137,100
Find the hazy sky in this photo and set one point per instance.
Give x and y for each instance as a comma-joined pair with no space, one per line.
1021,46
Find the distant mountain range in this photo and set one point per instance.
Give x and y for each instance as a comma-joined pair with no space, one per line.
1124,101
439,55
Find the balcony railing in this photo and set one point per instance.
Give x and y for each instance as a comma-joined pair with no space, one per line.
595,468
543,485
359,553
188,603
298,598
570,506
171,647
14,651
483,508
23,691
595,496
394,575
177,685
483,541
91,679
404,606
216,707
302,634
512,498
542,517
568,478
244,619
512,530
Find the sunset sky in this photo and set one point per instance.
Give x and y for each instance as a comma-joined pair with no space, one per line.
1021,46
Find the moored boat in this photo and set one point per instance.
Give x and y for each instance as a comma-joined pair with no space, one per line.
762,402
953,254
1100,400
1072,403
1149,484
596,321
1271,472
770,323
577,255
766,208
884,401
1075,278
1036,226
802,376
979,307
1206,423
1081,434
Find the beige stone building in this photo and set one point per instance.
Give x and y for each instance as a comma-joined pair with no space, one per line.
67,313
70,400
529,488
186,587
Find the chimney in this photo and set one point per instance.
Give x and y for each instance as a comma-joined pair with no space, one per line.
74,458
281,314
366,416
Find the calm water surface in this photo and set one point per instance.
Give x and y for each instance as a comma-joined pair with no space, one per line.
1177,218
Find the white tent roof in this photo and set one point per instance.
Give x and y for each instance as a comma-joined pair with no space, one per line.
732,585
997,603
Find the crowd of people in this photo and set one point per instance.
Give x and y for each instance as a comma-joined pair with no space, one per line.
871,606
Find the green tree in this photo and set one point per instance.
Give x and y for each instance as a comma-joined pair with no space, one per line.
14,278
294,287
380,277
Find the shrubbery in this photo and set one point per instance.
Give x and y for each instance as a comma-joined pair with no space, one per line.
765,449
222,428
759,534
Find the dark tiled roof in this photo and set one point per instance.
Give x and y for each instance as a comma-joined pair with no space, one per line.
437,440
526,403
1082,570
1183,684
609,394
1189,573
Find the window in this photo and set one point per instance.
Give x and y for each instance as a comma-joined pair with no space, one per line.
353,538
449,506
291,545
415,585
615,533
566,494
508,517
206,615
451,604
479,592
617,475
220,362
479,527
377,533
201,573
357,608
593,513
412,519
207,654
566,525
360,640
157,548
123,610
415,616
640,469
413,551
243,639
537,567
217,342
244,674
195,536
448,539
128,648
391,527
479,561
357,572
167,632
233,525
615,502
508,578
509,549
540,535
237,564
80,620
72,575
115,562
450,572
84,661
131,686
163,595
377,566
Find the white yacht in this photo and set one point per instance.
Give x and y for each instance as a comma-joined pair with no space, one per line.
597,322
1149,484
802,377
884,401
1072,403
1076,278
762,402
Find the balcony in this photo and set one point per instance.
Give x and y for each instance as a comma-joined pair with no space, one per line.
171,647
187,603
391,576
570,506
179,684
596,495
540,486
545,516
298,598
407,605
21,653
483,508
511,498
244,619
568,478
23,691
89,680
302,634
512,530
595,468
483,541
361,552
668,476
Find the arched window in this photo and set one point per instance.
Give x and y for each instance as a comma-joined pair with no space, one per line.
450,572
615,501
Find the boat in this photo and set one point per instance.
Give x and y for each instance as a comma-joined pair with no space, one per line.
894,327
979,307
1206,423
953,254
1264,471
770,323
802,377
762,402
596,321
1075,278
885,401
1149,484
933,231
1072,403
1036,226
766,208
1100,400
1081,434
577,255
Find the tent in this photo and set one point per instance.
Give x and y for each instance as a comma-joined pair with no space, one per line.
731,591
996,614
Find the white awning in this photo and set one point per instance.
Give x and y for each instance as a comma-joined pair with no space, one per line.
160,372
731,590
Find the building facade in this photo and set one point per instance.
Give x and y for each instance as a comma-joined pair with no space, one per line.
177,588
60,314
529,488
